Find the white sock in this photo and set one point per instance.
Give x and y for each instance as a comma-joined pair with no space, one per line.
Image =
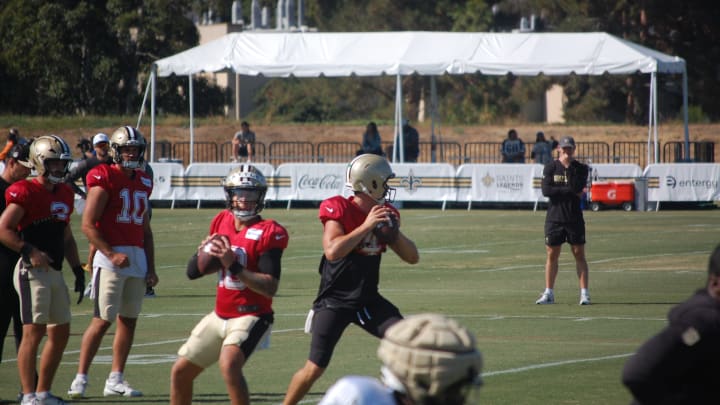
82,377
116,376
28,397
584,292
42,395
548,291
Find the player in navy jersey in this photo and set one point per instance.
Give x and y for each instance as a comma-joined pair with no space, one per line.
250,249
350,267
35,223
117,224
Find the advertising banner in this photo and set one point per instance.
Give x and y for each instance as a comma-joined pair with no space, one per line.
683,182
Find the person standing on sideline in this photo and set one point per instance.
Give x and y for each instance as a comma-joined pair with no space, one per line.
678,365
250,249
12,139
244,143
116,222
512,148
542,150
371,142
426,359
563,182
411,142
36,224
17,167
101,146
350,267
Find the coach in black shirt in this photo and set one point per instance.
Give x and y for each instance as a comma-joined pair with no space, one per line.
563,182
679,364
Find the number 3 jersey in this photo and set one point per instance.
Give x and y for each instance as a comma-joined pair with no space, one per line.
234,298
47,213
352,280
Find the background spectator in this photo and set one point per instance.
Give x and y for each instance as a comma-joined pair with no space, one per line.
12,139
542,150
371,142
513,148
244,143
411,142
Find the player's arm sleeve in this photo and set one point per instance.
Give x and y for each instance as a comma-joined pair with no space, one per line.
549,189
655,374
192,271
269,262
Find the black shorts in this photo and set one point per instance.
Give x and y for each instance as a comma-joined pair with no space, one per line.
328,325
558,233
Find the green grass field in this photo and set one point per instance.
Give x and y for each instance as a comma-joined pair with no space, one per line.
482,267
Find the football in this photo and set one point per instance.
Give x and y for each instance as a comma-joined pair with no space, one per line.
387,231
207,263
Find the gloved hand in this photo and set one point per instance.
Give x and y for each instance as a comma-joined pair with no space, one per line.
79,282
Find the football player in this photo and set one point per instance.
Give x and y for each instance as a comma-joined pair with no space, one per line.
428,359
40,209
350,267
116,223
250,249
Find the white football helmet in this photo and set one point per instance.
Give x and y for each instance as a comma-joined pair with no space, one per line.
433,358
369,174
48,148
249,185
127,136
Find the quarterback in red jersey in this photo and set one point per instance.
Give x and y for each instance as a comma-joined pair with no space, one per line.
117,223
40,210
350,267
250,249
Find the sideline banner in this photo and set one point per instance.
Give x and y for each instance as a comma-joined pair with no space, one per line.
309,181
168,181
683,182
614,171
203,181
424,182
509,182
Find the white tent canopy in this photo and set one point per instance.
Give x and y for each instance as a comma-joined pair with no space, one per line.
276,54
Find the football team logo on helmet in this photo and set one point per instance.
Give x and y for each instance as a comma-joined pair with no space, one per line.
369,174
127,136
46,149
245,187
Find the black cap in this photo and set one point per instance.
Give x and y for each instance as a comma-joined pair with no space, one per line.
21,153
567,142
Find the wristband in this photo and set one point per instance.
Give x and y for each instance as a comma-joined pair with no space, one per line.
26,249
236,268
78,270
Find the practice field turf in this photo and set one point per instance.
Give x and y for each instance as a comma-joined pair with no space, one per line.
482,267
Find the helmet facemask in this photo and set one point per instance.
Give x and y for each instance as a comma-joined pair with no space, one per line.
370,174
245,189
127,136
48,149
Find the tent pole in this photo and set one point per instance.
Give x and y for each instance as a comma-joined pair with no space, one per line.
192,112
685,114
153,76
433,115
398,147
650,115
655,119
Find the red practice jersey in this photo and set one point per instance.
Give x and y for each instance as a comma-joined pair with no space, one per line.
47,213
350,216
234,298
121,223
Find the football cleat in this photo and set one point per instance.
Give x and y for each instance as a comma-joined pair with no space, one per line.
77,389
546,299
121,388
584,300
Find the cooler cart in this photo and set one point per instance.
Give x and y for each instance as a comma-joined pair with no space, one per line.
612,193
